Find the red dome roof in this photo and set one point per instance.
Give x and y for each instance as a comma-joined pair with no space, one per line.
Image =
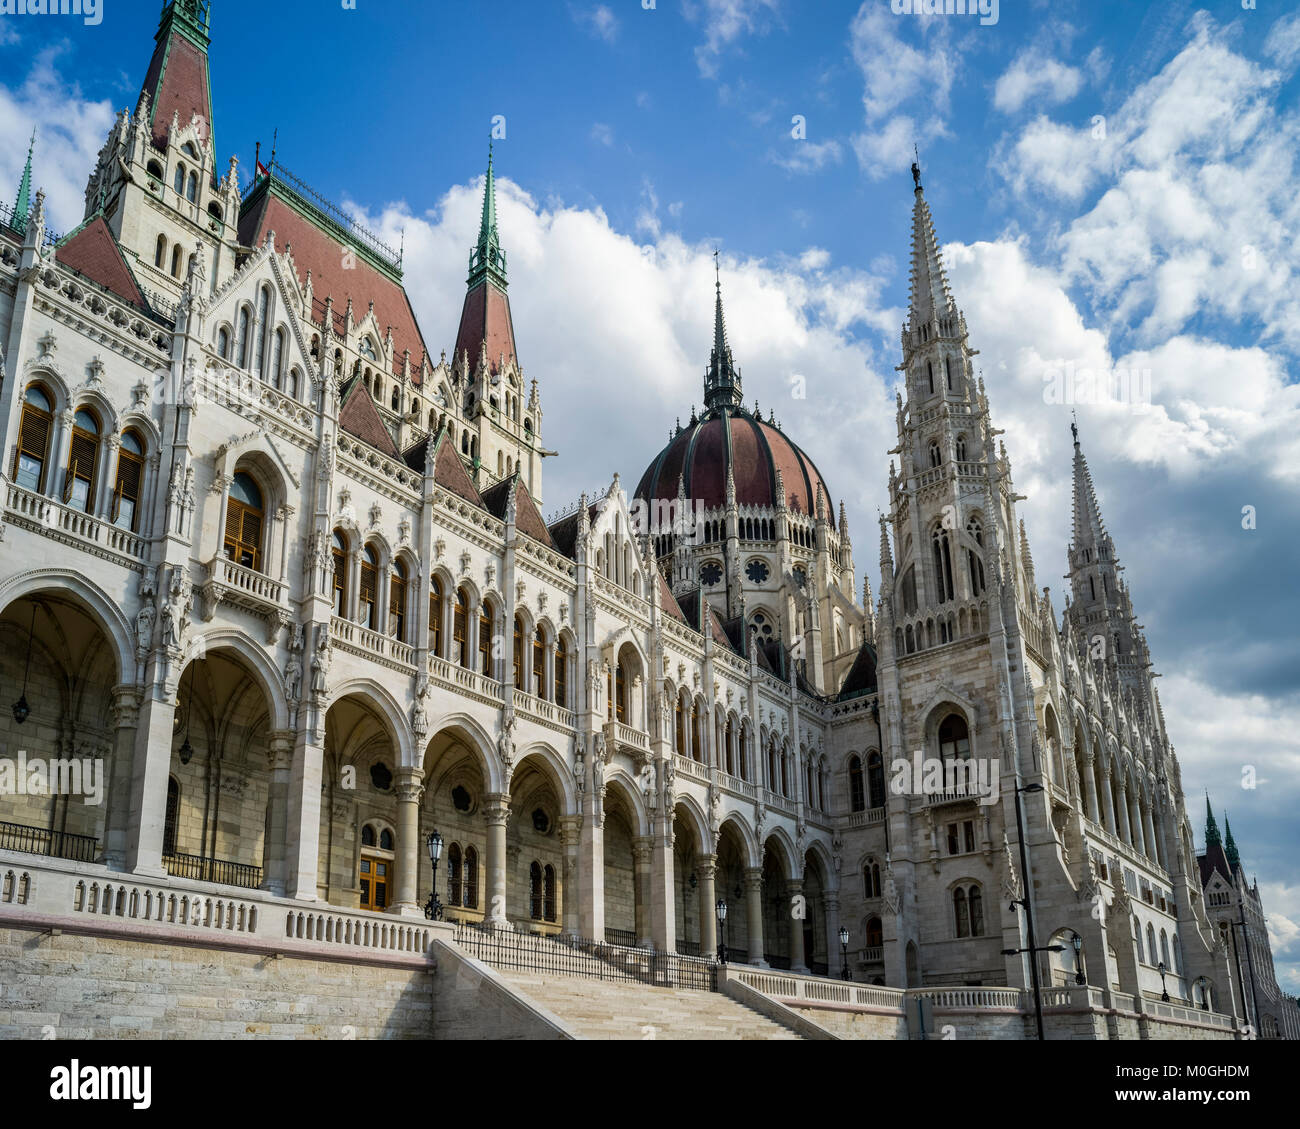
754,450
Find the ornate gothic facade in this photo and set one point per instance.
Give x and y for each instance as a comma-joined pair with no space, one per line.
285,575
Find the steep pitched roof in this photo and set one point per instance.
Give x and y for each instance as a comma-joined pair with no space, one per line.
177,81
449,471
92,251
359,417
485,319
668,600
862,675
338,269
527,517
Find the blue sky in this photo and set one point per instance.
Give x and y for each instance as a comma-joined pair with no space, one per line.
1114,183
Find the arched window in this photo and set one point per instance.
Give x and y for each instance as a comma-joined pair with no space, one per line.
548,893
954,738
875,935
385,840
83,455
976,901
562,675
367,605
936,455
471,878
960,446
176,261
277,359
178,181
172,818
367,836
975,560
455,890
397,602
241,338
875,780
435,617
130,476
485,639
261,331
961,912
294,383
339,554
947,368
943,565
621,693
223,343
857,793
397,398
519,653
871,879
929,373
539,663
192,187
244,516
460,630
1151,944
160,252
535,891
697,752
1164,949
679,731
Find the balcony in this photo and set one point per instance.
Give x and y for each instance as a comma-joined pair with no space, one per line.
462,680
631,741
369,644
41,841
541,710
866,818
226,582
26,509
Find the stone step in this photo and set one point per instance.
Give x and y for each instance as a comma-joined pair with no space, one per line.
602,1009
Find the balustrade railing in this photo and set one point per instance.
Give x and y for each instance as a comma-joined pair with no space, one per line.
41,841
221,871
55,517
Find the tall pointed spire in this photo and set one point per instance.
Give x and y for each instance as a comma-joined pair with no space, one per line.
23,204
722,381
930,296
1089,529
488,260
1211,828
1229,847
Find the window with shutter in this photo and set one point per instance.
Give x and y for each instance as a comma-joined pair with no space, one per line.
435,618
243,535
340,557
126,490
33,446
78,487
369,588
397,605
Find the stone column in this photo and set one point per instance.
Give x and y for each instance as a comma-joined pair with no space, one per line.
496,812
834,954
570,834
275,850
150,764
1108,804
409,788
1149,835
303,821
797,960
126,719
754,914
1088,782
1122,828
1135,824
663,893
706,866
642,850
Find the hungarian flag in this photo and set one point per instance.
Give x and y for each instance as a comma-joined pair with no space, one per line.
262,170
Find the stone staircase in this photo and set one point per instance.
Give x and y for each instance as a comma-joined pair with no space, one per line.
601,1009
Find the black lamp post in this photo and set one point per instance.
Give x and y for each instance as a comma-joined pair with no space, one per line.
844,949
1077,943
186,751
433,907
1026,904
1164,992
722,925
21,709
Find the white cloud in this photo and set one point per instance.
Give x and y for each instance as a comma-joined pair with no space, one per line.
807,156
599,21
602,134
1035,78
1283,42
725,22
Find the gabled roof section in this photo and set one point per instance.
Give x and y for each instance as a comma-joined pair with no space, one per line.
527,517
485,322
359,417
92,251
343,261
1214,860
862,674
449,471
564,533
666,598
177,81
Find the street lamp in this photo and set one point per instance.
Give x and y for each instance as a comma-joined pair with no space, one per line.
433,907
721,908
186,751
1164,992
20,707
1025,902
844,948
1077,942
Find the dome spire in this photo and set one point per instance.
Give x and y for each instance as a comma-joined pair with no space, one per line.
23,204
931,298
722,381
488,260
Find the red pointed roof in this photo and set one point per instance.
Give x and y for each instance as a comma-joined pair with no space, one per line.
93,251
528,518
485,317
449,472
177,82
358,416
315,249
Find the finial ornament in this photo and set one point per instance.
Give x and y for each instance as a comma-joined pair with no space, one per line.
916,167
1074,427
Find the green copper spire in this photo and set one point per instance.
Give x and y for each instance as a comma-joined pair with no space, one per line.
23,204
488,260
722,381
1211,828
1234,859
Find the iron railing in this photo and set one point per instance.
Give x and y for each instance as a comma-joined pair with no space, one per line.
781,964
625,937
577,956
688,948
40,841
221,871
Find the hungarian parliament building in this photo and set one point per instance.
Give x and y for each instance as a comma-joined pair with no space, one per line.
274,577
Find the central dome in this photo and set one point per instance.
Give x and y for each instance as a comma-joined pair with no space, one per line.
731,438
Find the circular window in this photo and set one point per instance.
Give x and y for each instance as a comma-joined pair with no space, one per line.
541,821
762,625
460,798
710,573
381,777
801,578
757,571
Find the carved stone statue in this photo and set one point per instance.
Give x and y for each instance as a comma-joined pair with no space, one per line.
420,711
144,622
293,679
320,662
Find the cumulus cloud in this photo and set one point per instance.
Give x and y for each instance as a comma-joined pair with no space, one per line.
1033,78
807,156
725,22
